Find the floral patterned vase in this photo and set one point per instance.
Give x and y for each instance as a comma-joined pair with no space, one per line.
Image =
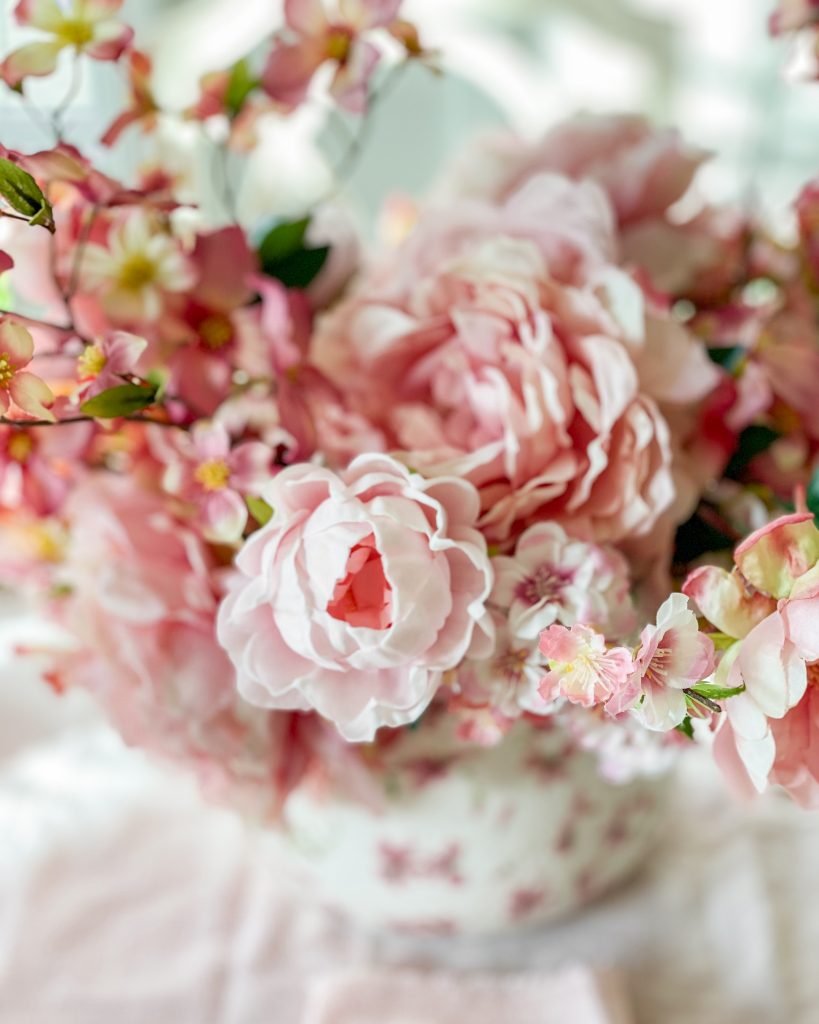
469,841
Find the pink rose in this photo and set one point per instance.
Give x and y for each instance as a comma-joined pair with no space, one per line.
359,593
508,351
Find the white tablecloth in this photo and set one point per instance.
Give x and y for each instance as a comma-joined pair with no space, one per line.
124,899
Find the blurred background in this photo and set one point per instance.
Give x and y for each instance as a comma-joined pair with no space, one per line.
703,65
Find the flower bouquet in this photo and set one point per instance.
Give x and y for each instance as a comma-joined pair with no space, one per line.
439,556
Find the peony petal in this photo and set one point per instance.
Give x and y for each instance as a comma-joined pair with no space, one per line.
32,395
773,558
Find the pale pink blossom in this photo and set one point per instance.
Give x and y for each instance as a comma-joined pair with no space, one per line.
40,466
362,590
673,656
205,470
792,15
18,386
583,669
552,578
108,363
87,27
136,269
319,33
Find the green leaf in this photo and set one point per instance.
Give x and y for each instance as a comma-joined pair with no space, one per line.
283,254
24,195
753,441
241,84
259,509
283,240
728,358
124,400
686,728
717,692
812,496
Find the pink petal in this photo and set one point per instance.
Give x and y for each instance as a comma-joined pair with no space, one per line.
42,14
98,10
364,14
123,351
724,599
225,516
802,626
6,262
16,344
210,440
774,674
35,59
289,71
250,466
774,557
111,40
32,395
305,16
351,81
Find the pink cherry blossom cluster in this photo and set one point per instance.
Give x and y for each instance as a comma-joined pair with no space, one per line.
284,504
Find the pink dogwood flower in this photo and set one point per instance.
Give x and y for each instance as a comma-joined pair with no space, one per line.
673,656
204,470
315,36
26,390
107,363
84,26
583,669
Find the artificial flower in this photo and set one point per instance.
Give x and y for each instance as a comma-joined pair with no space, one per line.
361,591
315,36
108,363
206,471
137,267
552,578
583,669
24,389
673,656
87,27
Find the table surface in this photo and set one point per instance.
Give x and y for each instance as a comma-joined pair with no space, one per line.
124,898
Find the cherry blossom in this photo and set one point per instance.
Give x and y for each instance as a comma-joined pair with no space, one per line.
584,669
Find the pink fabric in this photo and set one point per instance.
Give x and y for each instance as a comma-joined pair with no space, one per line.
571,996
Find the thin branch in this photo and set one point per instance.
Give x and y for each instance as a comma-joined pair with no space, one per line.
58,114
34,321
136,418
79,253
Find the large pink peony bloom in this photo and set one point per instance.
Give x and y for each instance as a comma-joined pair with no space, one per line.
141,607
642,169
509,351
361,591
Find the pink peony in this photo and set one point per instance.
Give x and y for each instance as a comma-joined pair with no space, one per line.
673,656
551,578
359,593
509,351
583,669
141,608
642,169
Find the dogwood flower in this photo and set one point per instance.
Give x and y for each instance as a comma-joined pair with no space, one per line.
314,37
26,390
135,269
583,669
84,26
205,471
104,365
673,656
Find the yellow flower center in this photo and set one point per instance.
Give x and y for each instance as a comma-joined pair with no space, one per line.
216,331
212,475
75,32
136,272
6,371
338,45
20,447
92,362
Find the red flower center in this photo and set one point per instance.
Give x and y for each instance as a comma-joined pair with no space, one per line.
364,596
